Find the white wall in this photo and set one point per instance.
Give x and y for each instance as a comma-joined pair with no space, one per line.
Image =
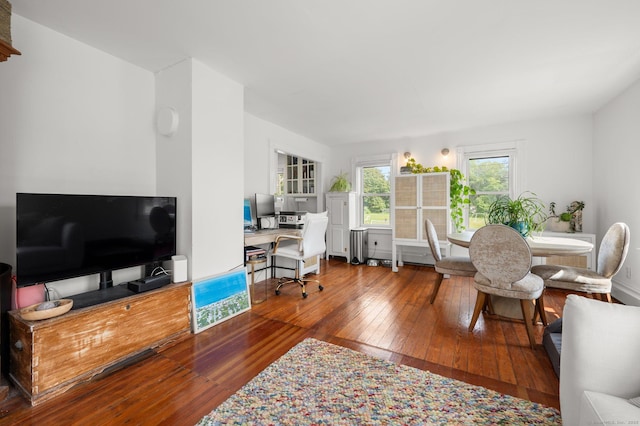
557,156
557,159
218,178
617,193
198,164
262,138
173,89
73,120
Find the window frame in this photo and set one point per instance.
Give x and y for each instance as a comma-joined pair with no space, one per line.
357,166
513,150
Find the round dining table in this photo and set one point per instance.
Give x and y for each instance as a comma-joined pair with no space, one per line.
541,246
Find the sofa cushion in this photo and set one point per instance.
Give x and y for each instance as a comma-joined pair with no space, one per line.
552,342
601,409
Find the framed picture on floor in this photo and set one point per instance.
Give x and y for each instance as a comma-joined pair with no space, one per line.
219,297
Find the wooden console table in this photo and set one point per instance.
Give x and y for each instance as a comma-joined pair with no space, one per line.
50,356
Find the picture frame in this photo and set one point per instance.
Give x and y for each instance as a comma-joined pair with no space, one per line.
218,298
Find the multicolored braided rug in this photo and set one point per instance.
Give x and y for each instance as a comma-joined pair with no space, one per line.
321,383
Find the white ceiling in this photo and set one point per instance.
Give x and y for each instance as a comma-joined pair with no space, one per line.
340,71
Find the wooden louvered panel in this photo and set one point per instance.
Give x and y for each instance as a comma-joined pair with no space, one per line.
439,219
406,224
406,190
434,190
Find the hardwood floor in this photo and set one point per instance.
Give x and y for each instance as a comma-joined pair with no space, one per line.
369,309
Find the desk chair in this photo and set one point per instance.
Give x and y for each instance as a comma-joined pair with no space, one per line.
611,255
503,260
310,244
453,265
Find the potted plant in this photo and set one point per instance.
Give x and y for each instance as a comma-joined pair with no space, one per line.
525,213
568,221
558,223
340,183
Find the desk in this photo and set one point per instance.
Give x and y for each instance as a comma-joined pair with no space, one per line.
268,236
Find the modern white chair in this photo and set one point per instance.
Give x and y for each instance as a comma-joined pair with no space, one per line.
310,244
503,260
611,255
453,265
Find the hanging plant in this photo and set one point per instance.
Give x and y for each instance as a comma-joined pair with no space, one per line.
459,192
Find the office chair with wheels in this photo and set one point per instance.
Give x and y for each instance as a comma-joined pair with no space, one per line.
310,244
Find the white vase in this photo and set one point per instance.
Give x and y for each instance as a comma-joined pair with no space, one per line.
554,224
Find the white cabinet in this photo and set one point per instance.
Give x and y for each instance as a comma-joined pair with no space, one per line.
416,198
583,261
300,176
341,208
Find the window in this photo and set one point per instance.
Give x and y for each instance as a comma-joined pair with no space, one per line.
491,172
373,183
376,195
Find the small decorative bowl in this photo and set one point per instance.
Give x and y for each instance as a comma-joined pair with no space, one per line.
31,313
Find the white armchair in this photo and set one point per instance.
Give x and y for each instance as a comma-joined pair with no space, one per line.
598,363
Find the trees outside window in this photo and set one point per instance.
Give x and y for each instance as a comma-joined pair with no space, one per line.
376,195
490,171
489,177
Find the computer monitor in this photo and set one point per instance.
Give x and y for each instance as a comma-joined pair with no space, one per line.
265,205
248,221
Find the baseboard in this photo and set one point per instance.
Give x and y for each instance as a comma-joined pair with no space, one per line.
625,294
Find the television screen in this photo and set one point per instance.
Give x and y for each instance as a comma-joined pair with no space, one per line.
248,221
265,205
66,236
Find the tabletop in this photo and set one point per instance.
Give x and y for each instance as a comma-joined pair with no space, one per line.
539,245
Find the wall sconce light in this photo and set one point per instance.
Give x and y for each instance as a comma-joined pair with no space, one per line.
444,152
407,155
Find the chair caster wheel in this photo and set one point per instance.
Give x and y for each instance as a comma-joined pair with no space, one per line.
277,292
320,287
304,295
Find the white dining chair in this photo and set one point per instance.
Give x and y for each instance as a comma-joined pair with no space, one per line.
611,255
452,265
503,260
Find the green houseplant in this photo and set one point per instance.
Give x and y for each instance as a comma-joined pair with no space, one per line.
459,192
525,213
340,183
566,221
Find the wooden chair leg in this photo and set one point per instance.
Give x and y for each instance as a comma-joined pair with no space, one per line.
434,293
526,313
480,302
606,297
540,311
488,305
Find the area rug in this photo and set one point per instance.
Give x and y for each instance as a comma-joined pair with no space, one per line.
321,383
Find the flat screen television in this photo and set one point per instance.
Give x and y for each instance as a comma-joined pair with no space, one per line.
62,236
265,205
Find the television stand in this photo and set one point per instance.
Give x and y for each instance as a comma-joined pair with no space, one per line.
97,297
50,356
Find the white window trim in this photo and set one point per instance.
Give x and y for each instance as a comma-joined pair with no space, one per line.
371,161
513,149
